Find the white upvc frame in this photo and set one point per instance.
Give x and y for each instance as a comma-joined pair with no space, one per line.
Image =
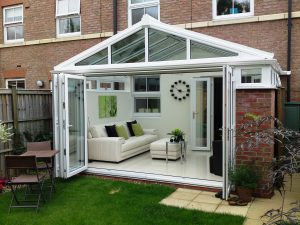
16,79
145,94
12,24
231,16
66,161
67,16
209,104
142,5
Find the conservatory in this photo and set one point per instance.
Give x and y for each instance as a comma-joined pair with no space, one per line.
163,77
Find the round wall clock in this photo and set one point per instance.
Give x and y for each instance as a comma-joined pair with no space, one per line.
180,90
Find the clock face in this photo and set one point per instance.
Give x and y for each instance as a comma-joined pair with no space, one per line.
180,90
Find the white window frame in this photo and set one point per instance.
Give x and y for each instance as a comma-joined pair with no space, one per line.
142,5
66,16
17,79
146,94
12,24
231,16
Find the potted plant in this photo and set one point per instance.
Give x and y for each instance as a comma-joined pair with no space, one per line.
245,178
177,135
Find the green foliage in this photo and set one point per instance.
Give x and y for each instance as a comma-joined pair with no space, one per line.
5,133
245,176
177,135
90,200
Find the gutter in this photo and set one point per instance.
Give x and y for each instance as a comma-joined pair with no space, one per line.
115,17
289,50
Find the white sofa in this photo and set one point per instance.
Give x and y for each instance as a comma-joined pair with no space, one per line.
115,149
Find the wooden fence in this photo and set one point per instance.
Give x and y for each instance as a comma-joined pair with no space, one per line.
28,113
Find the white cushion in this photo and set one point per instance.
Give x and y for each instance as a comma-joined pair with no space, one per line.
160,145
98,131
135,142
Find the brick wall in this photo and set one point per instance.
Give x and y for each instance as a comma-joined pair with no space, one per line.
258,102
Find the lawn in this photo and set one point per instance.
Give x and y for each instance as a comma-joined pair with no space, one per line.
89,200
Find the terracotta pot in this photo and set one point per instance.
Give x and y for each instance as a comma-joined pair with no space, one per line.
245,194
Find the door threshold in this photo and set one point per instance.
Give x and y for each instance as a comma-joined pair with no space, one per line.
185,181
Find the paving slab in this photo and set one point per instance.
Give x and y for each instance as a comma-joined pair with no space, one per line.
175,202
233,210
207,207
207,199
184,195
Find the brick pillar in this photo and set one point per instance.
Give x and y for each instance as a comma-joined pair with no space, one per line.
262,103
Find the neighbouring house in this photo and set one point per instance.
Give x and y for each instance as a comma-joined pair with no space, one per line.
242,66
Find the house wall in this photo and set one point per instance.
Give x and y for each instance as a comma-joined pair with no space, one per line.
267,30
260,103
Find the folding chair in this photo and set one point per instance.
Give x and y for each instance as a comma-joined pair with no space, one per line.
29,177
47,162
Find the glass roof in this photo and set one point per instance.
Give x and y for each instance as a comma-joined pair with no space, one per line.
162,46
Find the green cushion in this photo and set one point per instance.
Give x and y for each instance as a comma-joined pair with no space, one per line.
137,129
121,131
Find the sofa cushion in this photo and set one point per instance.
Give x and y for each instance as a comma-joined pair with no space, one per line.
121,131
111,131
135,142
129,125
137,129
98,131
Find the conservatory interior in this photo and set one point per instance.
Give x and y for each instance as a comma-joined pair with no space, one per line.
163,77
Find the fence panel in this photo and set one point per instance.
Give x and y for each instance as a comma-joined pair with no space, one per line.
33,117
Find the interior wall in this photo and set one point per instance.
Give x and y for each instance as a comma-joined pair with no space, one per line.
124,107
174,113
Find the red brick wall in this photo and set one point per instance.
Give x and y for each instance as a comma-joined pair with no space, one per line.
258,102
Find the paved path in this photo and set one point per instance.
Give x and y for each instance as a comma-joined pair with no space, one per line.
206,201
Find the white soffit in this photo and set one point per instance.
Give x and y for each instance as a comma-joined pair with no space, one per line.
148,21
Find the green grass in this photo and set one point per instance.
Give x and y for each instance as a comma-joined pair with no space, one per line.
90,200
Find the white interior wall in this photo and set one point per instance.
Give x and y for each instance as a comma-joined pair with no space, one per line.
124,107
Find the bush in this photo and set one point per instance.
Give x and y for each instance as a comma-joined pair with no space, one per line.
244,176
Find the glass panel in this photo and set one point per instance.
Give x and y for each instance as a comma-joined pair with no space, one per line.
251,75
130,49
98,58
119,86
19,32
153,84
201,113
199,51
105,85
227,7
154,105
140,84
20,84
18,14
137,15
11,31
141,105
164,46
152,11
76,124
69,25
141,1
9,15
74,6
62,7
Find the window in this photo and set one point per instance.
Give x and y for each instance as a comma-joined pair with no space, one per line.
68,17
109,84
251,75
146,94
137,8
232,8
13,24
19,83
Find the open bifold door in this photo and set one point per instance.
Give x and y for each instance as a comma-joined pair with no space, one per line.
70,127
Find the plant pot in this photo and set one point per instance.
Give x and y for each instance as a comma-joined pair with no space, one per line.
245,194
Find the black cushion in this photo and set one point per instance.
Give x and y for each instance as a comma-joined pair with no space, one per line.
129,125
111,131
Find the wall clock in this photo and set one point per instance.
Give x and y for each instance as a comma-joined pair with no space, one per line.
180,90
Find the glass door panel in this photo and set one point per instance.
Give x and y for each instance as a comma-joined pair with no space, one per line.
76,149
201,110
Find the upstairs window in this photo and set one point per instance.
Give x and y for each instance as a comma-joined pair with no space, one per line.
19,83
230,9
13,24
68,18
137,8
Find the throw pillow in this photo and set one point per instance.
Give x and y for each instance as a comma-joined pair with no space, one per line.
129,125
111,131
137,129
121,131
